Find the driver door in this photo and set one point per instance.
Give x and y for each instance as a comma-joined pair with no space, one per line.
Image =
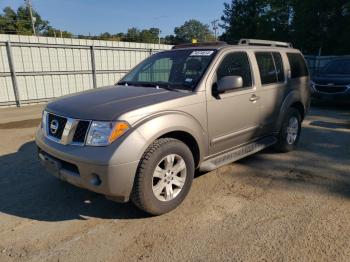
233,117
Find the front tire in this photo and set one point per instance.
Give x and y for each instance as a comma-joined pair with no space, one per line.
164,176
289,135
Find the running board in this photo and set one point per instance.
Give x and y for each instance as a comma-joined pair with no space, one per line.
236,154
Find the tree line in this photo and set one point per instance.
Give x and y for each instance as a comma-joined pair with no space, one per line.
19,22
314,26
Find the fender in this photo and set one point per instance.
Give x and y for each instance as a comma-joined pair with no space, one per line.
146,130
293,97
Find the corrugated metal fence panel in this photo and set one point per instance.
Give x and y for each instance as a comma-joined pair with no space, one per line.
6,90
49,67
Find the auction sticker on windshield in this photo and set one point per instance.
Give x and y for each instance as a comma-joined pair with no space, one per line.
202,53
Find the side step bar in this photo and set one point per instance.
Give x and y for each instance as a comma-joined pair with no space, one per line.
236,154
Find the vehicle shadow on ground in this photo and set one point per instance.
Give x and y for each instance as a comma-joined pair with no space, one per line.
321,161
28,191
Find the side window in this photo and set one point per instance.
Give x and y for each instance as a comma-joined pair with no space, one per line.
236,64
279,66
267,68
297,65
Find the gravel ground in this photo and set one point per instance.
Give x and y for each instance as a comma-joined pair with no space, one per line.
267,207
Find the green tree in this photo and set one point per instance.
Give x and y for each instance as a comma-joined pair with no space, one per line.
8,21
313,26
53,32
193,29
278,16
24,23
145,36
322,26
150,36
244,19
133,35
169,39
19,22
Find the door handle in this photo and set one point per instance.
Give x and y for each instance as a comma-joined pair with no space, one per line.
254,98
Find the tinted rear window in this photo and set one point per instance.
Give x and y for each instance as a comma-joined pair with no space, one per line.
297,65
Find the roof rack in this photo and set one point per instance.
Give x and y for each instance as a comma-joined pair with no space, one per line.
258,42
202,44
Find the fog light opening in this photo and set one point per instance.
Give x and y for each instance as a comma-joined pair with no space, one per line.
95,180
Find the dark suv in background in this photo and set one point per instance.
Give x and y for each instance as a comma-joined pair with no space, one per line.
332,82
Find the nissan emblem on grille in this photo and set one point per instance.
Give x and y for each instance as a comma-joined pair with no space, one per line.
54,126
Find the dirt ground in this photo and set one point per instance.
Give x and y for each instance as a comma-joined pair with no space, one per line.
268,207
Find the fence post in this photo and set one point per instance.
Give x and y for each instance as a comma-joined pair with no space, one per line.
13,73
93,66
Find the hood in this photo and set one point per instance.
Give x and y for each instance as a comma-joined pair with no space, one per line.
106,104
326,79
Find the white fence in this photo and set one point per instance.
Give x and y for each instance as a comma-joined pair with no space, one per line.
34,69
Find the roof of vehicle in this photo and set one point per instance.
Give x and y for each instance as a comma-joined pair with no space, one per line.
247,43
206,45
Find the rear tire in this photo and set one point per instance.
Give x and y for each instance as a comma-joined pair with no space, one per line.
164,176
289,135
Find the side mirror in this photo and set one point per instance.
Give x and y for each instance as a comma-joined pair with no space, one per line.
229,83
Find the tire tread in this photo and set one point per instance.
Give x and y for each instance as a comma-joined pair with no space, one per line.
281,145
137,192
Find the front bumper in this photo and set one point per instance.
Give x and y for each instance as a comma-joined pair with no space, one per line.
87,167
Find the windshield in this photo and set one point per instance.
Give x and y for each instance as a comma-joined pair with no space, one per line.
179,69
340,67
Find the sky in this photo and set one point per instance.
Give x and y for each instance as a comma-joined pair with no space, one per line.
114,16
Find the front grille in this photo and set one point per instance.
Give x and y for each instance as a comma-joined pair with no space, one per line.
76,130
330,89
56,125
80,132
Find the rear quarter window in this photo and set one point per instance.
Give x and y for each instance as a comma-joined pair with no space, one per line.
297,65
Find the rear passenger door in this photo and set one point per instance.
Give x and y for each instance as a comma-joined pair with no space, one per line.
271,88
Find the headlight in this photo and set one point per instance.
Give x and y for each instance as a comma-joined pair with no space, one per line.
105,133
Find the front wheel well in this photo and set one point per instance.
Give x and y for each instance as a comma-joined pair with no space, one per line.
188,140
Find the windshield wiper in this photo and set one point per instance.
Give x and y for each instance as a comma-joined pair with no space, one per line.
164,85
157,85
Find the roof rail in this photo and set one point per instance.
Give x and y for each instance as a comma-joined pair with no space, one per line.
201,44
258,42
